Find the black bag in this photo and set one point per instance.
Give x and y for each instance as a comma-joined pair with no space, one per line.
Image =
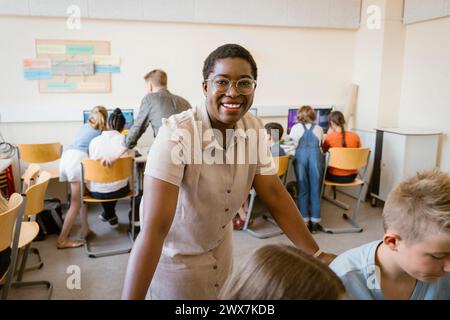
50,219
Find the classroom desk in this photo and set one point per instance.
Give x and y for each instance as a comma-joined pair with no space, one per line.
140,162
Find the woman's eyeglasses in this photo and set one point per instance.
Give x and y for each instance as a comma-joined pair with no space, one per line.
244,86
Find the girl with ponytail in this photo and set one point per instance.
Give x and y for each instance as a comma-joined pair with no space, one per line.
70,171
338,137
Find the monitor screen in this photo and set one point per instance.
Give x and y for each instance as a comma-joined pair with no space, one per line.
254,111
128,114
321,118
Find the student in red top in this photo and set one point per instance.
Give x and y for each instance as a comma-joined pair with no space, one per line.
338,137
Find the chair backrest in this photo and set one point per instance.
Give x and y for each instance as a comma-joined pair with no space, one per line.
281,163
40,152
30,174
35,195
7,220
348,158
121,169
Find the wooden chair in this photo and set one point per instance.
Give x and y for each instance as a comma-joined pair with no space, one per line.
7,221
26,231
347,159
28,178
36,154
282,165
40,153
92,170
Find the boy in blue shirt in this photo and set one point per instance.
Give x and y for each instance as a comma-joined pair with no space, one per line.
412,261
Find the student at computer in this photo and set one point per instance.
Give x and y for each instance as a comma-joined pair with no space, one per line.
412,260
109,145
337,136
274,134
70,170
309,165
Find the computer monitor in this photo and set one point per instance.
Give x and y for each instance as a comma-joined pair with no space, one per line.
321,118
254,111
128,114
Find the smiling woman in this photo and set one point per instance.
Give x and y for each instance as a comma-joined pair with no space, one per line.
184,248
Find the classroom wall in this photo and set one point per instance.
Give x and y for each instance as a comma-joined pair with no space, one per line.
425,96
296,66
378,62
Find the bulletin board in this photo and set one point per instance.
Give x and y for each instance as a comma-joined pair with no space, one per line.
73,66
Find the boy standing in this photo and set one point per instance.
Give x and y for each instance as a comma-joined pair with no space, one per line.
413,259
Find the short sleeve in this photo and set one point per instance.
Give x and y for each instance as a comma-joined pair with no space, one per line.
265,164
165,159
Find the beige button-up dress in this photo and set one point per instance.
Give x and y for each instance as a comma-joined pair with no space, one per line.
197,254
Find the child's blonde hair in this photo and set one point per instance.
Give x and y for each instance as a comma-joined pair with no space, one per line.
98,118
306,114
419,205
283,272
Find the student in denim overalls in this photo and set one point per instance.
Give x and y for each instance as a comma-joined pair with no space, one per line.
309,165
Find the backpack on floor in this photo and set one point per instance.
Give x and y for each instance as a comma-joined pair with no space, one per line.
50,219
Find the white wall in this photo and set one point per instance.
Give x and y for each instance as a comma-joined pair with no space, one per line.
425,99
296,66
378,62
367,67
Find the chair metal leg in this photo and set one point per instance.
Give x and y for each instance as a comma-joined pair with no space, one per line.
253,233
336,202
111,252
24,262
250,209
37,265
20,284
350,219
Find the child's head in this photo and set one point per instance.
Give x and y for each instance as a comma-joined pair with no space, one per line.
98,117
306,114
274,131
275,272
116,120
416,220
336,119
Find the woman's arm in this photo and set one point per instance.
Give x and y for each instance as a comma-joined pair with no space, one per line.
160,200
283,209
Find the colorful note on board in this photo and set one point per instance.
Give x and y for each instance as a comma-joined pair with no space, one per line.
61,85
72,68
79,49
106,60
37,74
106,69
50,49
39,63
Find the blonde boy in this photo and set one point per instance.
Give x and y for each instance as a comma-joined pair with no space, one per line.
413,259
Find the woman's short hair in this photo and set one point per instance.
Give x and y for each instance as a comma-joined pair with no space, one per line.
98,117
419,206
283,272
228,51
306,114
